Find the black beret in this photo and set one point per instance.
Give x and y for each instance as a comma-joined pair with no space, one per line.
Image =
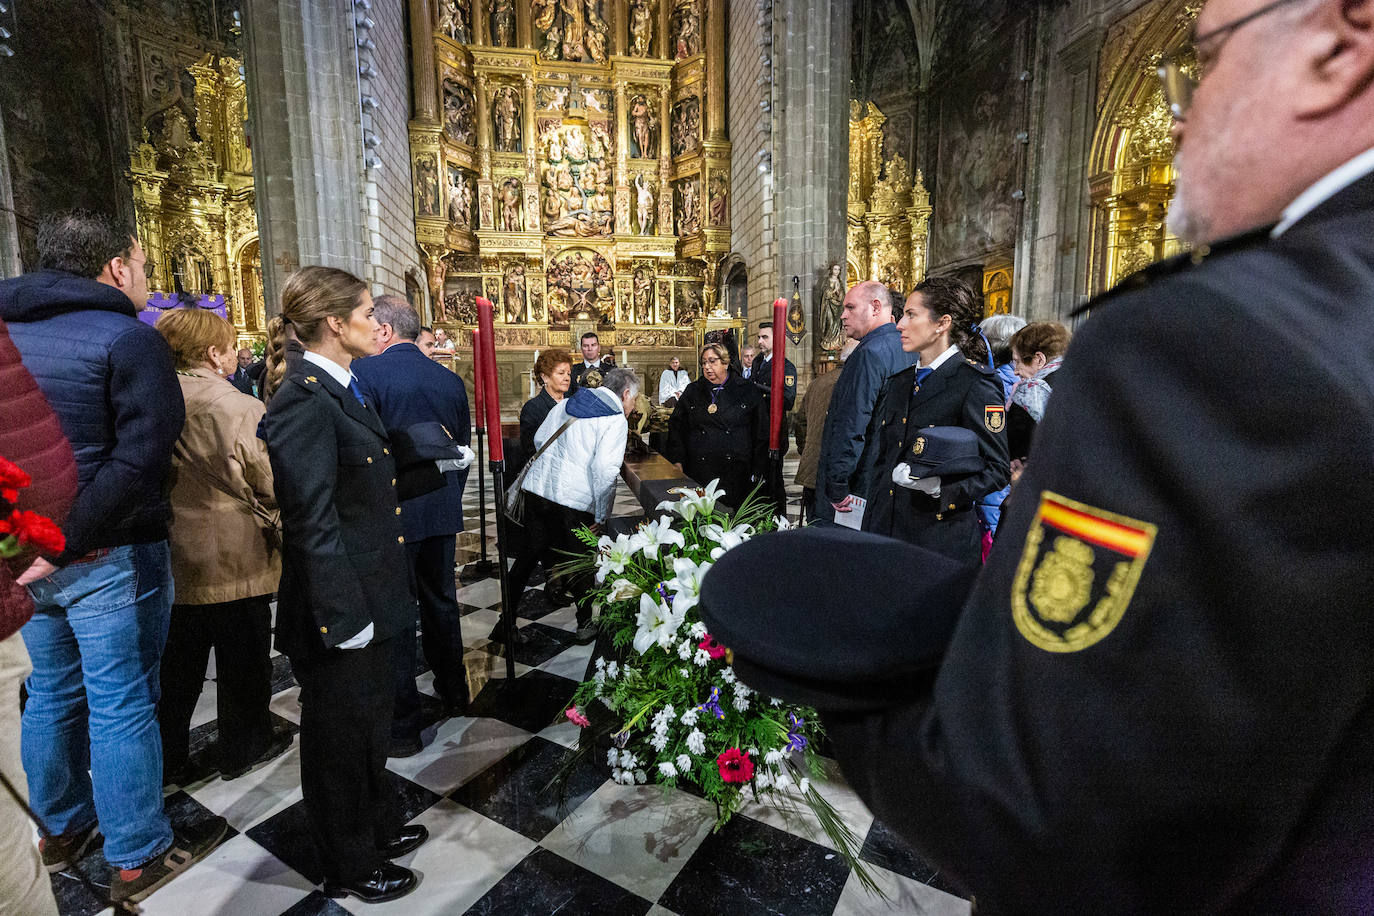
834,618
944,451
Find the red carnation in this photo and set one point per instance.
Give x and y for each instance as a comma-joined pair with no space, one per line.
735,766
35,530
711,647
13,478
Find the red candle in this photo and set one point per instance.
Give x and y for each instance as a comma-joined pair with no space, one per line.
478,401
779,354
495,447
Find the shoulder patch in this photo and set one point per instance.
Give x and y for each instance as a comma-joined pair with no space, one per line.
1079,568
995,417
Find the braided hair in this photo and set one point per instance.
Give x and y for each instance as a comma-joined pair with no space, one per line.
955,298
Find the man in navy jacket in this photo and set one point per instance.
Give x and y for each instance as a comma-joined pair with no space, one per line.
406,388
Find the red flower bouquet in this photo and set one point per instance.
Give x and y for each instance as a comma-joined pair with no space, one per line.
21,529
735,766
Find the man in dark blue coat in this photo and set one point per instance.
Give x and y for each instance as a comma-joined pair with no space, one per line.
407,388
847,456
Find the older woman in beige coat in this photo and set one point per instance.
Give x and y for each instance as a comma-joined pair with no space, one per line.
225,559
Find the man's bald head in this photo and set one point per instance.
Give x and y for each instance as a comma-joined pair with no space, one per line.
1286,97
866,306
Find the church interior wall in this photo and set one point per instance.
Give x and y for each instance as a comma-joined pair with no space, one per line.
750,84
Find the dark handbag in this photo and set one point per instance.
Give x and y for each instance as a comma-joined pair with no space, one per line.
515,493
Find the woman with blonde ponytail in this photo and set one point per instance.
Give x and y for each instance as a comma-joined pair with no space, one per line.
344,589
282,350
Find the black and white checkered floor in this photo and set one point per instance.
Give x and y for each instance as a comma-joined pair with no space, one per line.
499,843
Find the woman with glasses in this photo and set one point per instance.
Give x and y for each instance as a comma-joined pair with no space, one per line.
713,432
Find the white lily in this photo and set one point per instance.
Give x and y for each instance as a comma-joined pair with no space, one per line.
656,534
783,523
727,535
623,590
686,583
694,501
613,556
658,624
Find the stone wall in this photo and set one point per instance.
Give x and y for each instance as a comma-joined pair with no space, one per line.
750,84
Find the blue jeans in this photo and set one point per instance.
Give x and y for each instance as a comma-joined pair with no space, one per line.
96,641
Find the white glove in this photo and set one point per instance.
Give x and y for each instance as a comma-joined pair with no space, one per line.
469,456
456,464
901,475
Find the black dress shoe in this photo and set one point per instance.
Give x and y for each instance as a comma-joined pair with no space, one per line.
407,839
386,883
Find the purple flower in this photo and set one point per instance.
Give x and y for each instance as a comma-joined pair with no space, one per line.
795,740
712,704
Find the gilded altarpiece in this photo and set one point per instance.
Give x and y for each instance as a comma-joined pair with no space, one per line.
575,171
191,172
1131,177
889,208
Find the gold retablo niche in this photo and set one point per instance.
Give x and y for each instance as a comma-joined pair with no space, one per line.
575,169
192,181
889,216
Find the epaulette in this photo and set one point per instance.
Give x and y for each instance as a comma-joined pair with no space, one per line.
981,366
1174,265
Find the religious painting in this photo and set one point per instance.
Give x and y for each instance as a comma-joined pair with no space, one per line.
427,201
574,30
686,126
506,120
579,287
644,126
455,17
643,16
460,112
686,29
688,193
459,194
510,206
576,177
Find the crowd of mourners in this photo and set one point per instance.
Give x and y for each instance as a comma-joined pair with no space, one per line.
329,476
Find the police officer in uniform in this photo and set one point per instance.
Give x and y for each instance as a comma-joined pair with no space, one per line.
713,431
954,385
593,367
1158,697
761,376
344,590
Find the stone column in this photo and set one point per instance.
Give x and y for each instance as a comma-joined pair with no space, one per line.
665,166
423,82
484,138
527,129
622,152
522,25
715,72
620,25
481,23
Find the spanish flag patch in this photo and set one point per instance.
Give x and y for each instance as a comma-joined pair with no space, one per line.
1079,568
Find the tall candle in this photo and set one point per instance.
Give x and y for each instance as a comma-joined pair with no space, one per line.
625,358
478,401
779,354
496,448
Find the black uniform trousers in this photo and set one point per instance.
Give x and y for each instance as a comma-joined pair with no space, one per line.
240,632
346,699
431,563
549,528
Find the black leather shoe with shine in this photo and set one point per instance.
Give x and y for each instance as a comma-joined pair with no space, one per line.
386,883
407,839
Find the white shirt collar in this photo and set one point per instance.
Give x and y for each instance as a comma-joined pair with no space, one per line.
1325,188
595,365
939,361
336,372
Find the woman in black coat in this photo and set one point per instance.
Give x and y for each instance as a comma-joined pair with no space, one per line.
953,385
553,372
344,590
714,430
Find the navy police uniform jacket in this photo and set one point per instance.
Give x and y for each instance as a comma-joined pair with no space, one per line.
761,377
604,364
956,393
343,554
723,444
1159,697
406,387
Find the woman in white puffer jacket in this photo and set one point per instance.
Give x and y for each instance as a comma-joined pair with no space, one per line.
572,484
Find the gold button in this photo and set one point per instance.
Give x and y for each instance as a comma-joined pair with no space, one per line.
386,451
398,510
401,539
951,505
393,481
939,517
903,419
324,629
916,389
890,492
369,459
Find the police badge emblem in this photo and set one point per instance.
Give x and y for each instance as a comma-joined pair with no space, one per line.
995,417
920,445
1060,601
591,378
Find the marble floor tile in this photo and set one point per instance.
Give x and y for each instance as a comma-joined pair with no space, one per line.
899,894
563,618
316,904
637,836
256,796
205,705
884,848
238,877
570,663
564,733
287,704
748,868
793,814
462,748
547,883
519,791
483,594
532,701
535,644
465,856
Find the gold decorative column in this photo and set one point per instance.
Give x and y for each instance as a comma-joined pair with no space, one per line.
422,70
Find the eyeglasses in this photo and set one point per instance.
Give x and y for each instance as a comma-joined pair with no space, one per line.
1180,81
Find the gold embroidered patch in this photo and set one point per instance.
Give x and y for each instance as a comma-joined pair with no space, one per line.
789,380
920,445
995,418
1058,601
311,378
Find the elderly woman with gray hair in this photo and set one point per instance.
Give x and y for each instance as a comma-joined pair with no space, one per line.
999,330
570,482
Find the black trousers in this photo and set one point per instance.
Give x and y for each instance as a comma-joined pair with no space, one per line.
431,574
346,701
549,539
240,632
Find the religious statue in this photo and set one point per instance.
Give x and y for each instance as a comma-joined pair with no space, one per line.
577,183
509,198
515,293
574,29
719,207
643,297
832,303
690,307
425,169
644,205
553,40
689,216
553,98
641,28
686,126
503,23
643,128
459,200
597,30
592,98
459,112
506,115
453,20
484,204
688,30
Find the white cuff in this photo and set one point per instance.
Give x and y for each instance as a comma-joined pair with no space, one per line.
358,641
